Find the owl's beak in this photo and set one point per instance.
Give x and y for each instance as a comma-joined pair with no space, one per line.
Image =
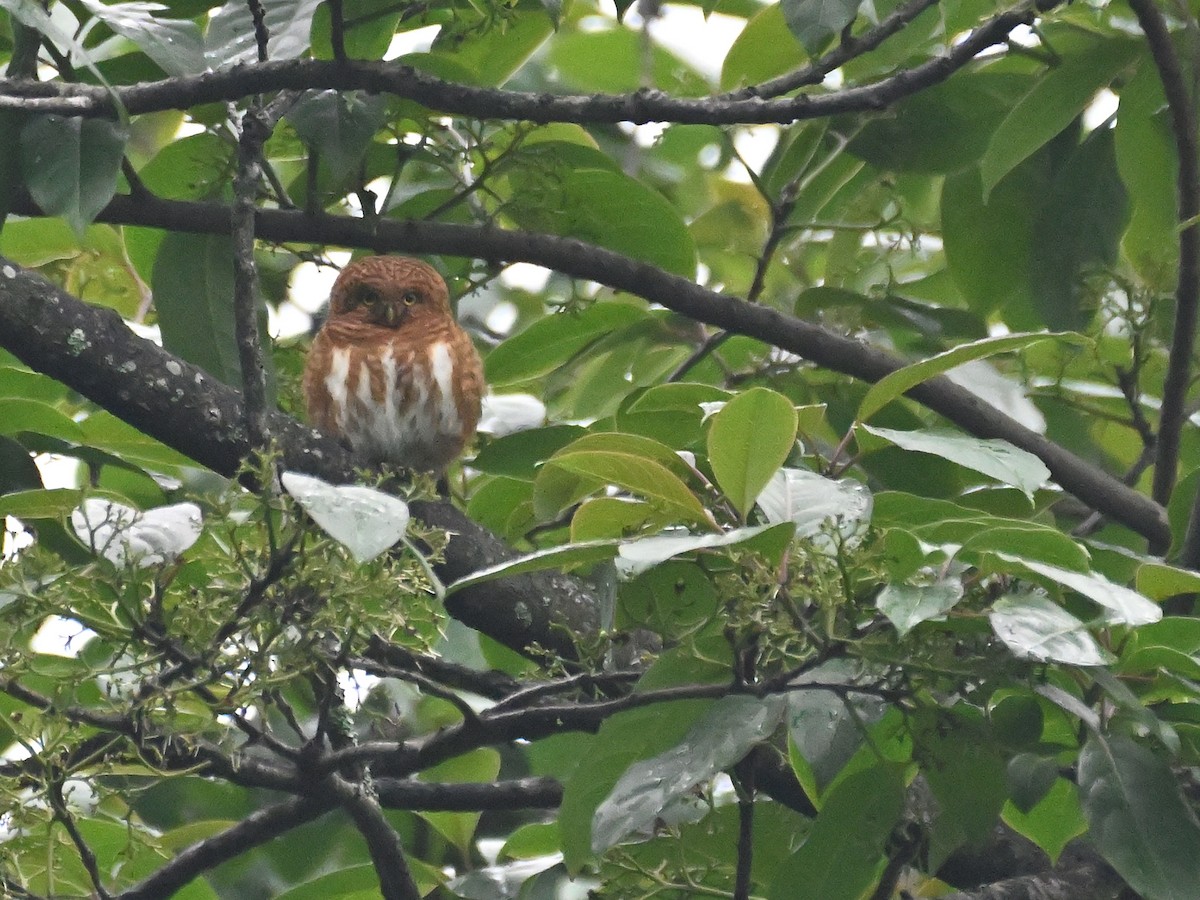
387,314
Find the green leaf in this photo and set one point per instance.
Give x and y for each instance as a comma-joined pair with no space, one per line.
723,736
1137,818
39,504
176,45
1053,822
1124,606
622,739
827,727
646,478
104,431
843,854
995,458
908,605
339,125
370,26
479,765
748,440
637,556
1149,167
517,455
563,556
71,165
964,769
193,295
615,60
363,520
897,383
942,522
765,49
493,55
1083,217
913,137
1035,627
30,415
608,208
230,37
1053,104
987,242
553,340
814,22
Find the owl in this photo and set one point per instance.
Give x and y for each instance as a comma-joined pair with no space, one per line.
391,372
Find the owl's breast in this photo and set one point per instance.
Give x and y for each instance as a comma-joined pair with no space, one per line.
402,406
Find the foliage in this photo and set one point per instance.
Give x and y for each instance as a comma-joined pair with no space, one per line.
838,639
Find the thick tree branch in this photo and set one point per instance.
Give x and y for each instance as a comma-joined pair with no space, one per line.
1187,291
387,853
488,103
173,401
256,829
1096,488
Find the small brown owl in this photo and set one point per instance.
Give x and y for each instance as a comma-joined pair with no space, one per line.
391,371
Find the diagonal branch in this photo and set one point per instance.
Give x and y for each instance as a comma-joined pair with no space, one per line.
257,828
1090,484
488,103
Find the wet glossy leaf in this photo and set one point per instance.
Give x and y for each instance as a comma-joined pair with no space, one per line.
897,383
995,458
724,735
363,520
908,605
811,500
1124,605
122,534
1035,627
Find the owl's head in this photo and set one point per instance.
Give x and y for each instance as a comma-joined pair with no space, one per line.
390,292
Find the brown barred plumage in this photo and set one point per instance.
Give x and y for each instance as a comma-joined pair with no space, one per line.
391,371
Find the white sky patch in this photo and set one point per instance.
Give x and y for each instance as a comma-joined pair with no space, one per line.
501,318
355,686
1103,105
60,637
701,43
419,40
754,144
525,277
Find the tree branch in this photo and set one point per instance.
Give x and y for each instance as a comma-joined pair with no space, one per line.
387,854
173,401
488,103
1187,291
1090,484
256,829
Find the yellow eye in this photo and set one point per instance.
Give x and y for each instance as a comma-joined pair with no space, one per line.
363,295
410,297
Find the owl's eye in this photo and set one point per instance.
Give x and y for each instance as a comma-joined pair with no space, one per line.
362,295
410,297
